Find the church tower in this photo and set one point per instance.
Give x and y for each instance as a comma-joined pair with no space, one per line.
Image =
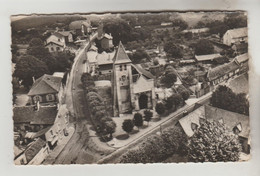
122,82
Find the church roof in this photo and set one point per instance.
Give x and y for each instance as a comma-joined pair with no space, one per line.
121,56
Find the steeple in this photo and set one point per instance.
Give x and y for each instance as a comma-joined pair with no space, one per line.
121,56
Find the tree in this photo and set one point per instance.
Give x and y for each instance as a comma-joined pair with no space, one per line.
204,47
28,67
169,102
173,50
223,97
185,95
87,80
241,104
138,120
148,116
177,99
235,20
128,125
175,140
169,77
108,126
212,142
160,108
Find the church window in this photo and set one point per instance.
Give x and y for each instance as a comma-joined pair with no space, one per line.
120,67
125,67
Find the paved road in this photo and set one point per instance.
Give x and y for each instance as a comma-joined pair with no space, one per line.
80,149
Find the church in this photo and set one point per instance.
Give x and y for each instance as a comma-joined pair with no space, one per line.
132,86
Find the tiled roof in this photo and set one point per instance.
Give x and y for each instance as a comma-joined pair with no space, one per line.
221,70
242,58
45,85
58,34
142,71
27,114
65,33
41,132
105,58
207,57
193,117
77,24
33,149
239,84
238,32
56,43
231,119
121,56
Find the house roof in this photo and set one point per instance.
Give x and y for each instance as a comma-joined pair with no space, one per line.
193,117
239,84
231,119
33,149
238,32
93,48
242,58
121,56
56,43
107,36
105,58
41,132
92,56
27,114
77,24
58,34
207,57
221,70
65,33
45,85
143,72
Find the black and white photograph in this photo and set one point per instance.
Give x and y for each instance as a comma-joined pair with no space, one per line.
130,87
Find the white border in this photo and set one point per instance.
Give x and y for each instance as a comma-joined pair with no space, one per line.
13,7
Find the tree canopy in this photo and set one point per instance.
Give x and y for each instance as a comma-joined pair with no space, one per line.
212,142
204,47
138,120
128,125
223,97
173,50
28,67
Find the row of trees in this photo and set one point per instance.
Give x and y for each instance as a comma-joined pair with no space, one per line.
38,61
103,122
211,142
137,121
223,97
157,148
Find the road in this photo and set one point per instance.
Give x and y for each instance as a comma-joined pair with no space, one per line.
80,149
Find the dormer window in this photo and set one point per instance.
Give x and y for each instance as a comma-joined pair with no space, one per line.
237,129
194,126
221,120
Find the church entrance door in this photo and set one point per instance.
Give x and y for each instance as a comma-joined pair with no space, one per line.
143,101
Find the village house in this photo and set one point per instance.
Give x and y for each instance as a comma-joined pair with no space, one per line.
105,41
33,118
58,41
207,58
47,89
34,153
91,62
235,122
59,129
105,62
81,27
196,31
235,36
133,86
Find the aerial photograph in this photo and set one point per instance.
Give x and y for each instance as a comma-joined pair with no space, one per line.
130,87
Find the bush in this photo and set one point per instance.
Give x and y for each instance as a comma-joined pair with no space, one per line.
148,116
138,120
128,125
160,108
